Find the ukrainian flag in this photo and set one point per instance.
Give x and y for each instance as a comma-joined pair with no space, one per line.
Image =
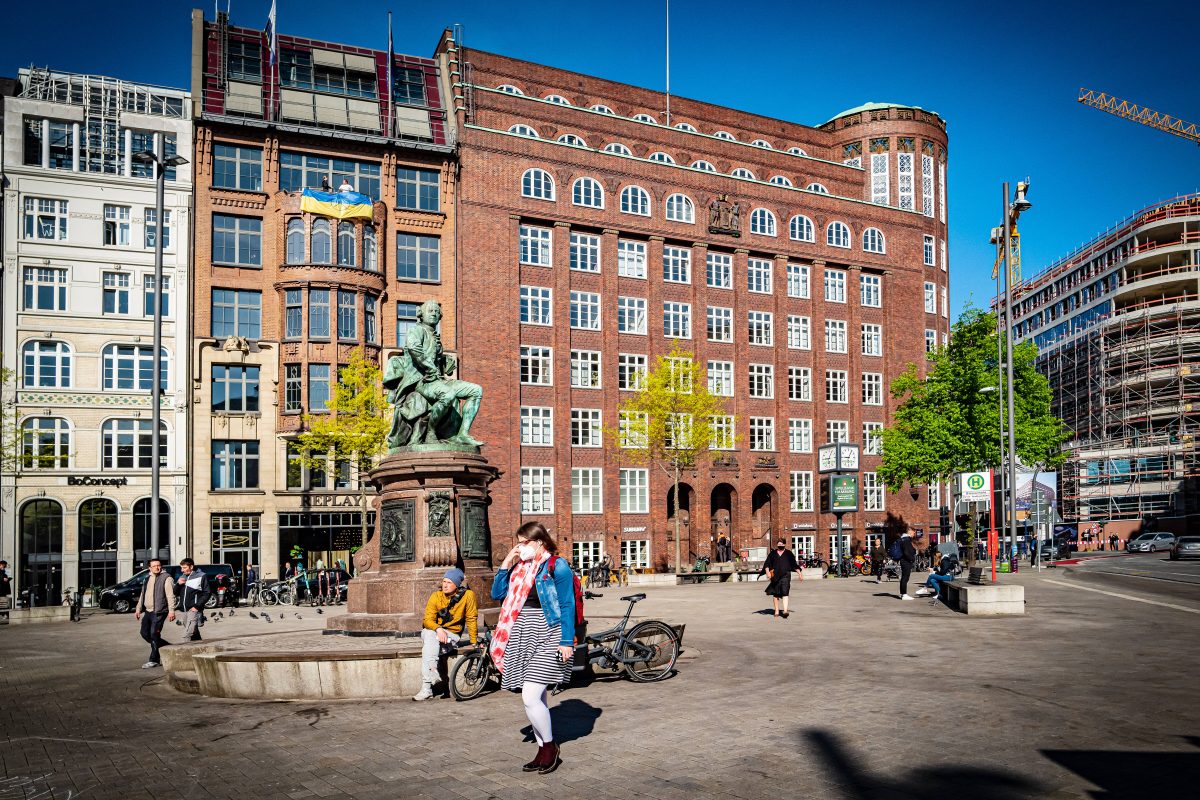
339,205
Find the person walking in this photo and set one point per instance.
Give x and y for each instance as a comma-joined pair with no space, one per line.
155,607
908,557
251,578
5,584
1113,541
450,612
878,556
533,645
193,594
778,567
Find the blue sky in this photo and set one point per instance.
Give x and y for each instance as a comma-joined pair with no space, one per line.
1005,77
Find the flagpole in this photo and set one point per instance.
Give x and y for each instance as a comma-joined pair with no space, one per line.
391,91
668,63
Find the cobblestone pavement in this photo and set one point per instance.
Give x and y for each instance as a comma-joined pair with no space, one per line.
857,696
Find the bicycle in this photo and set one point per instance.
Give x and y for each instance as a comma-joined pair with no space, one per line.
647,652
474,669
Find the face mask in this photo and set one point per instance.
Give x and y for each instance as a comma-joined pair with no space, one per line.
526,552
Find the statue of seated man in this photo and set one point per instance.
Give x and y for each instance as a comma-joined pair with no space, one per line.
425,398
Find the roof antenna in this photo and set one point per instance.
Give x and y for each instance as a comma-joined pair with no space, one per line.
668,2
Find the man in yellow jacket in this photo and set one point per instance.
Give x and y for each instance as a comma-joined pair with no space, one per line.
449,611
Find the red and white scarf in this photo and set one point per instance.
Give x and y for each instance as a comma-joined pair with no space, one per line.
520,584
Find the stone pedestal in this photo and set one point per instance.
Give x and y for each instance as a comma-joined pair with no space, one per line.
431,514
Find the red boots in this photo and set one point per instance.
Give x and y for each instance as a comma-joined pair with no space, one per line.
546,761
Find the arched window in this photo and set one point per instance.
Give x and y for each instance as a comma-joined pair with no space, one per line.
800,228
141,532
97,542
780,180
662,158
587,192
742,172
508,88
763,143
684,126
603,109
796,151
837,235
523,130
762,222
538,184
572,139
370,252
45,443
129,367
321,245
295,241
681,209
618,148
729,137
557,98
127,444
645,118
704,165
873,241
816,187
47,365
635,200
41,551
346,244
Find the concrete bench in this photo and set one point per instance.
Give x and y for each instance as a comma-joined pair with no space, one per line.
39,614
984,599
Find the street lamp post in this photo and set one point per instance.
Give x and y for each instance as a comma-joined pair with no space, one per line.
161,162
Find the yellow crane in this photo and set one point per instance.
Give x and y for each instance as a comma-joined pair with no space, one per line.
1146,116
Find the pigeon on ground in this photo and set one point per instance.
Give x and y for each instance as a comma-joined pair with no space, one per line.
298,616
232,612
253,615
268,619
281,617
319,611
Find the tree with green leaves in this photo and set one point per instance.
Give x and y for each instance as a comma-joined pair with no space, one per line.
949,420
354,431
671,423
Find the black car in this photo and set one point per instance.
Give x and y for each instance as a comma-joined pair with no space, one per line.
123,597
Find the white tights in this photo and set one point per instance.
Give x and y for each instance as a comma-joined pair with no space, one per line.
535,697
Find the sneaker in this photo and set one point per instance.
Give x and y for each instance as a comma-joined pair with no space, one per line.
426,693
151,665
906,597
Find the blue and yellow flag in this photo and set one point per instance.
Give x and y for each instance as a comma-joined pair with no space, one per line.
339,205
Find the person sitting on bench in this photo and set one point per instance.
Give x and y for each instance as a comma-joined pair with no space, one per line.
943,573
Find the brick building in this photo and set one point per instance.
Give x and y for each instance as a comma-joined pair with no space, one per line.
281,297
587,213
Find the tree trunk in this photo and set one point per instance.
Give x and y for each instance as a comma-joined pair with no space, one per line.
678,563
362,495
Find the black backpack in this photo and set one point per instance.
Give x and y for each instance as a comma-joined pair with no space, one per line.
895,551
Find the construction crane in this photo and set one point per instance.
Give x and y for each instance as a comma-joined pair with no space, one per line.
1146,116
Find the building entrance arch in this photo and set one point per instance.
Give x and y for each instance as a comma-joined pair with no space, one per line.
764,505
40,558
683,509
722,502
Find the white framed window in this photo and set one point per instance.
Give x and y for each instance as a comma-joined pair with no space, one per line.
585,427
945,259
799,333
524,130
661,157
538,184
631,428
873,241
872,444
720,324
685,126
635,553
45,289
116,293
45,443
801,491
680,370
819,188
942,192
557,99
536,305
645,118
835,336
635,200
508,88
537,426
801,229
930,258
585,252
585,311
800,435
537,365
46,365
587,192
934,498
128,367
537,490
835,286
945,303
631,258
930,340
678,428
872,492
585,369
116,226
729,137
872,388
837,234
151,228
603,109
723,437
677,264
129,444
927,185
836,390
796,151
797,281
616,148
763,143
584,555
780,180
677,320
148,295
635,499
719,269
45,219
837,430
572,139
758,275
762,381
872,339
762,222
804,545
720,378
930,298
680,208
870,290
536,246
761,328
762,433
880,189
800,383
904,180
703,165
743,173
631,372
631,315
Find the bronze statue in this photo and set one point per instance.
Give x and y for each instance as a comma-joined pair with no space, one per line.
424,397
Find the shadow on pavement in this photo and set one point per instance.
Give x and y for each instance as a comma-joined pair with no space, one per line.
977,783
1132,775
571,719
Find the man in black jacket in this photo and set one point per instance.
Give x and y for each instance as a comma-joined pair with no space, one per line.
193,593
908,557
779,566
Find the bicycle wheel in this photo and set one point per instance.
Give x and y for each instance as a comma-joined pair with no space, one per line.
469,676
823,566
285,596
864,568
252,596
654,646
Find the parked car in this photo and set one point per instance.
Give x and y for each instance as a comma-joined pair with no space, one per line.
1152,542
1186,547
1134,544
123,597
1056,548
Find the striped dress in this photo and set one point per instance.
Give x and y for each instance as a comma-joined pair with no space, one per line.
532,652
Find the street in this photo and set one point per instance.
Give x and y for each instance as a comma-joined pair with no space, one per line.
1147,575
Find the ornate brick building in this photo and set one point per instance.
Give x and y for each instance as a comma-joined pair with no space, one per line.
804,267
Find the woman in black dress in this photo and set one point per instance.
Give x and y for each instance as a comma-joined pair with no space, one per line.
778,567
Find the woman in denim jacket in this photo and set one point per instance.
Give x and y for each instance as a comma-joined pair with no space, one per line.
533,644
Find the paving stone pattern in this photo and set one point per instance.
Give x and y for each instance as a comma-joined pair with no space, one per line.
857,696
